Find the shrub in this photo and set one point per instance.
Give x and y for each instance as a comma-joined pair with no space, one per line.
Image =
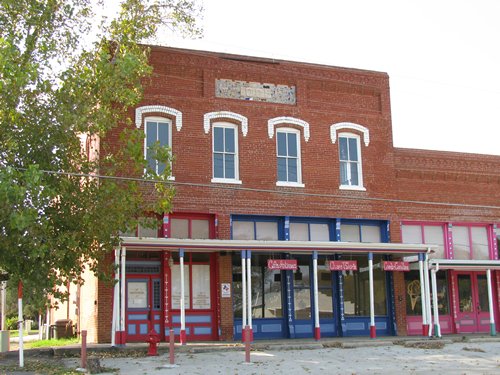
11,322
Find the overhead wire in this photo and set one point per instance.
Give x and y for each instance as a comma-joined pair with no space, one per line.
271,191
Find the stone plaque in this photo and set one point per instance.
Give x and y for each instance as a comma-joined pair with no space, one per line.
261,92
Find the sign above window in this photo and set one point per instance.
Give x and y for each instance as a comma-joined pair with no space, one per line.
396,266
343,265
282,264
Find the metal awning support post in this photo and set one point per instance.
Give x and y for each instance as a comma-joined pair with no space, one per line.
437,327
20,322
425,323
249,295
493,330
427,294
243,294
373,330
317,330
183,307
123,259
116,298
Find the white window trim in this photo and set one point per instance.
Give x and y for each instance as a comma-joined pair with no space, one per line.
158,109
169,122
299,183
208,117
236,179
359,187
349,125
271,124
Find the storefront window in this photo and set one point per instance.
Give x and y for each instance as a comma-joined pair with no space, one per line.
302,288
325,291
266,288
309,232
191,226
470,242
255,230
413,293
425,234
357,292
197,281
360,233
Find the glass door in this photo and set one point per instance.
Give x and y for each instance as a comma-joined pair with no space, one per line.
472,309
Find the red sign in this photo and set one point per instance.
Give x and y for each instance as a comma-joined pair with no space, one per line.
343,265
396,266
282,264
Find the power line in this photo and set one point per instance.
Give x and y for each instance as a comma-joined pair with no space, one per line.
270,191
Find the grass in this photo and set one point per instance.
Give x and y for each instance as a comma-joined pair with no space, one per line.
52,342
38,366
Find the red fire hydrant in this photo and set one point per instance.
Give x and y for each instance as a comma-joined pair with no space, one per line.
153,340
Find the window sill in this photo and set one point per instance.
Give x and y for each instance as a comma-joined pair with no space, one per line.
349,187
289,184
226,181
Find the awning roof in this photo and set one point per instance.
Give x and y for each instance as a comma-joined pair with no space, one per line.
464,265
142,243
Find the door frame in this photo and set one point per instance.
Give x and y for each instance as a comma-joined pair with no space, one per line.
154,316
479,319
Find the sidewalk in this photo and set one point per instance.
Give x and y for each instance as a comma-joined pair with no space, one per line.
138,349
471,354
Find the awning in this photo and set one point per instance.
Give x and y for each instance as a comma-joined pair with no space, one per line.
464,265
144,243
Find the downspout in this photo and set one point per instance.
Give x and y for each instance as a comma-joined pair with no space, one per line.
428,293
317,330
437,328
425,323
493,331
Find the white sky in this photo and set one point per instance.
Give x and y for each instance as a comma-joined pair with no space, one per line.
442,56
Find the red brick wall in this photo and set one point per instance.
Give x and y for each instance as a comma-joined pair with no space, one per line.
104,308
400,302
226,304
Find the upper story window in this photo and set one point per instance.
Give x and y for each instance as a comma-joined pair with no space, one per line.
288,154
425,234
225,152
351,171
158,131
470,242
351,175
225,164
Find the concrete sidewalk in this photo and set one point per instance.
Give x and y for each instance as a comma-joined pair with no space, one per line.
140,349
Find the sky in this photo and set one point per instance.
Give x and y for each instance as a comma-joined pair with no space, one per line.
442,56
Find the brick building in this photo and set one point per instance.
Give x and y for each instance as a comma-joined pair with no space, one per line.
290,199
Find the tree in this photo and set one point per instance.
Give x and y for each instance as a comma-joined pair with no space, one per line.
61,82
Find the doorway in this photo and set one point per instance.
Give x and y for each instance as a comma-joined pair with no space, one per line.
143,306
472,302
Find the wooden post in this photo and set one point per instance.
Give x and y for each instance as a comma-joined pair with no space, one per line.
83,355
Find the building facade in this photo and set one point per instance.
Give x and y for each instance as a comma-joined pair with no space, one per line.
296,216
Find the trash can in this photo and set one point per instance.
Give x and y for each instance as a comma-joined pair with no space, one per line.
64,328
